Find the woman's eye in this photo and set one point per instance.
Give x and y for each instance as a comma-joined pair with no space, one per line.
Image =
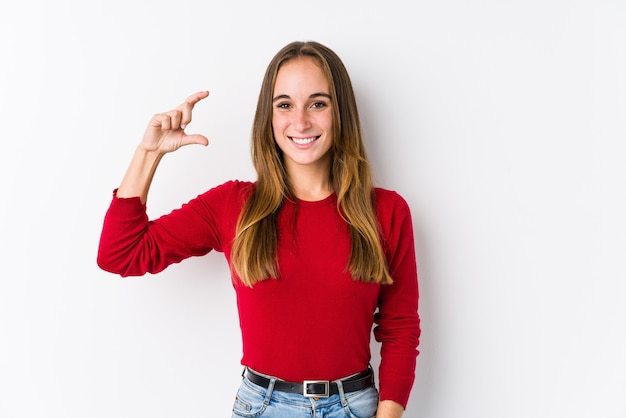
283,105
319,105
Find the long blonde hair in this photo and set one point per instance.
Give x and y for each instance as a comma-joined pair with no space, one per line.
253,256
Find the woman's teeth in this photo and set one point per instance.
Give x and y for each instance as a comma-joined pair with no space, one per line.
303,141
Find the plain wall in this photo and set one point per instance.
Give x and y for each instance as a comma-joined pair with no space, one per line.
502,123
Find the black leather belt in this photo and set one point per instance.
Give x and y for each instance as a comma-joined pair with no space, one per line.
315,388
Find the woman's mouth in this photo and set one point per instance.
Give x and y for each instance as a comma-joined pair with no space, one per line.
303,141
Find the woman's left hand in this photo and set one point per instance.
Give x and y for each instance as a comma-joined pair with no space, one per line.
389,409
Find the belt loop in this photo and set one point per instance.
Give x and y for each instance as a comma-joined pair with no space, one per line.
342,395
270,390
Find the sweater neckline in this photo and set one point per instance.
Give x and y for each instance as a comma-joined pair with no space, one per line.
332,198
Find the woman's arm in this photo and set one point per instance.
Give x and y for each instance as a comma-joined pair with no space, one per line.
397,320
129,244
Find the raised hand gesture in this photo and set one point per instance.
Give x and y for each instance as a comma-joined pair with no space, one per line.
166,131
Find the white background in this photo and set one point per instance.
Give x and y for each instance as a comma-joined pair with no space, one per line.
503,124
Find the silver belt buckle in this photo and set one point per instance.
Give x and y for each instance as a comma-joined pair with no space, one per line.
324,394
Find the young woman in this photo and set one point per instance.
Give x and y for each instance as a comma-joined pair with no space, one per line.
318,255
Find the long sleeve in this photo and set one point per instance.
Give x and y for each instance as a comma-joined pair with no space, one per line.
132,245
397,319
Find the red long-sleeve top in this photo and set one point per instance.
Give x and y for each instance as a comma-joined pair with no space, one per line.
314,322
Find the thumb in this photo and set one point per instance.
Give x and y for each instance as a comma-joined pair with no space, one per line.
194,139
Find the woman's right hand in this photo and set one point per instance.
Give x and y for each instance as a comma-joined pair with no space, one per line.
166,131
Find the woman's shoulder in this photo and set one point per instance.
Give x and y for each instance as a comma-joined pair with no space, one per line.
388,197
230,191
241,186
237,185
390,203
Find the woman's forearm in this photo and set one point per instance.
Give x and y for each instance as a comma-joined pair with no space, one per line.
139,175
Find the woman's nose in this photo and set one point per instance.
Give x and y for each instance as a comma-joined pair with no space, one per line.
302,121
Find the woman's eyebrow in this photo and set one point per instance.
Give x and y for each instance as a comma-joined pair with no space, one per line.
312,96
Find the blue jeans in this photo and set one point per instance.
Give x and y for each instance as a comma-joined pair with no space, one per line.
256,401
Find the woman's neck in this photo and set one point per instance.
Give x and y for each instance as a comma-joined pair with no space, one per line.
310,183
312,193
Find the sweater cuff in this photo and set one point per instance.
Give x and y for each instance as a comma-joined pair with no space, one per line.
126,206
396,390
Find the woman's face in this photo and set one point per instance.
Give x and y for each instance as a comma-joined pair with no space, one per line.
302,116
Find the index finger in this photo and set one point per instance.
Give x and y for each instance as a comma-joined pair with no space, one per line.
187,106
195,98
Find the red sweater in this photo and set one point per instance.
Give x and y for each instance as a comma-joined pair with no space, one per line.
314,322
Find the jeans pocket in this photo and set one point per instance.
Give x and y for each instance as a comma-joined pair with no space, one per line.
250,401
362,403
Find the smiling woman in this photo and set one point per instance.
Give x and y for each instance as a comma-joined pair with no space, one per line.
311,235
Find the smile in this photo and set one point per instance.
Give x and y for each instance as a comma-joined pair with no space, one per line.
303,141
